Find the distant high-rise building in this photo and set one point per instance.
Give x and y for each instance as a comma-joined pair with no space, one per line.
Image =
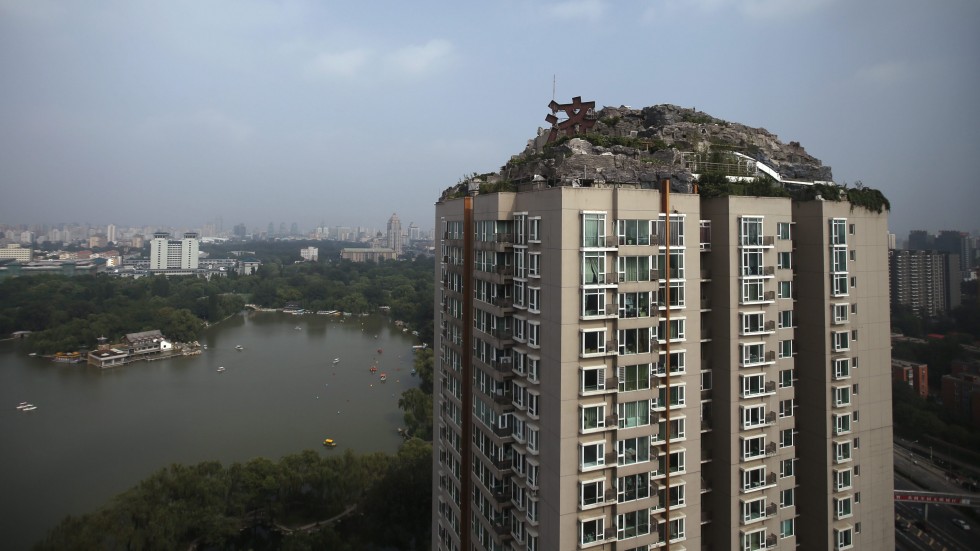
294,229
395,234
960,244
414,234
282,228
891,240
174,254
110,233
310,254
920,240
272,230
240,231
926,281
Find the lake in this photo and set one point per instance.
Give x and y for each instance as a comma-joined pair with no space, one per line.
96,432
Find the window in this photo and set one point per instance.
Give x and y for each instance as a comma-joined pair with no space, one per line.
753,385
594,229
534,299
787,528
592,455
842,451
634,377
592,492
841,341
854,308
784,260
634,341
842,423
534,264
786,438
843,479
634,305
839,285
706,380
785,319
845,539
838,260
786,348
677,327
634,414
786,378
784,230
752,263
837,231
676,265
840,313
750,231
593,342
633,232
753,416
753,510
753,478
753,322
841,396
852,254
534,229
591,531
854,334
787,468
593,379
851,228
785,289
632,524
593,268
753,447
753,541
854,282
633,450
593,302
634,268
785,408
533,333
753,290
787,497
677,528
753,354
593,417
633,487
844,507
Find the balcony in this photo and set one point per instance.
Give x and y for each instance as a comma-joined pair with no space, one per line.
503,398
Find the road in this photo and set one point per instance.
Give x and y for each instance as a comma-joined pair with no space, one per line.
942,534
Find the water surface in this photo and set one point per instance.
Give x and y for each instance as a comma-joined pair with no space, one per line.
98,432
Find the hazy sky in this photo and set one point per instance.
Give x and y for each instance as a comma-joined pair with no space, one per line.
176,112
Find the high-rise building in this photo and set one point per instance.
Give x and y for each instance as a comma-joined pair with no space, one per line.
395,234
926,281
627,368
110,233
920,240
174,254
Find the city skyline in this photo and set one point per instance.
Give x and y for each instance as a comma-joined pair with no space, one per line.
308,113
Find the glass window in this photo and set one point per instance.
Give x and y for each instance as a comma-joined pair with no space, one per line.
635,305
534,299
592,455
840,313
784,230
593,302
784,260
634,268
633,232
752,262
787,528
593,417
786,438
633,523
844,507
842,451
593,342
785,289
838,284
753,478
753,416
592,492
634,341
753,290
786,408
634,377
842,423
753,510
593,268
633,487
838,231
785,319
534,229
786,378
591,530
534,264
751,231
786,348
634,414
594,229
843,479
593,379
841,341
633,450
787,468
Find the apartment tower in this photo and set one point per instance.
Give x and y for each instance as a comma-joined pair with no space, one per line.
623,369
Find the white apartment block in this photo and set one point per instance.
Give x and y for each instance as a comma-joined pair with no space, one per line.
621,369
174,254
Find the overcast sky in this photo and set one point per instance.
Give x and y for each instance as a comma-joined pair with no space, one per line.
176,112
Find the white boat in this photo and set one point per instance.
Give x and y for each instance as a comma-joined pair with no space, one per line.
239,347
29,408
298,328
336,360
221,369
205,347
22,405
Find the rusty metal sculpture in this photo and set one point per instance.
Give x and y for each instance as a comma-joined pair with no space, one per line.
581,118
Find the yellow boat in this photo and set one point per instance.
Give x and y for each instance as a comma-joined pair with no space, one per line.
329,443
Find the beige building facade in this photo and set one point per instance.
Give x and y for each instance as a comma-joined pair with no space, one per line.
621,369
